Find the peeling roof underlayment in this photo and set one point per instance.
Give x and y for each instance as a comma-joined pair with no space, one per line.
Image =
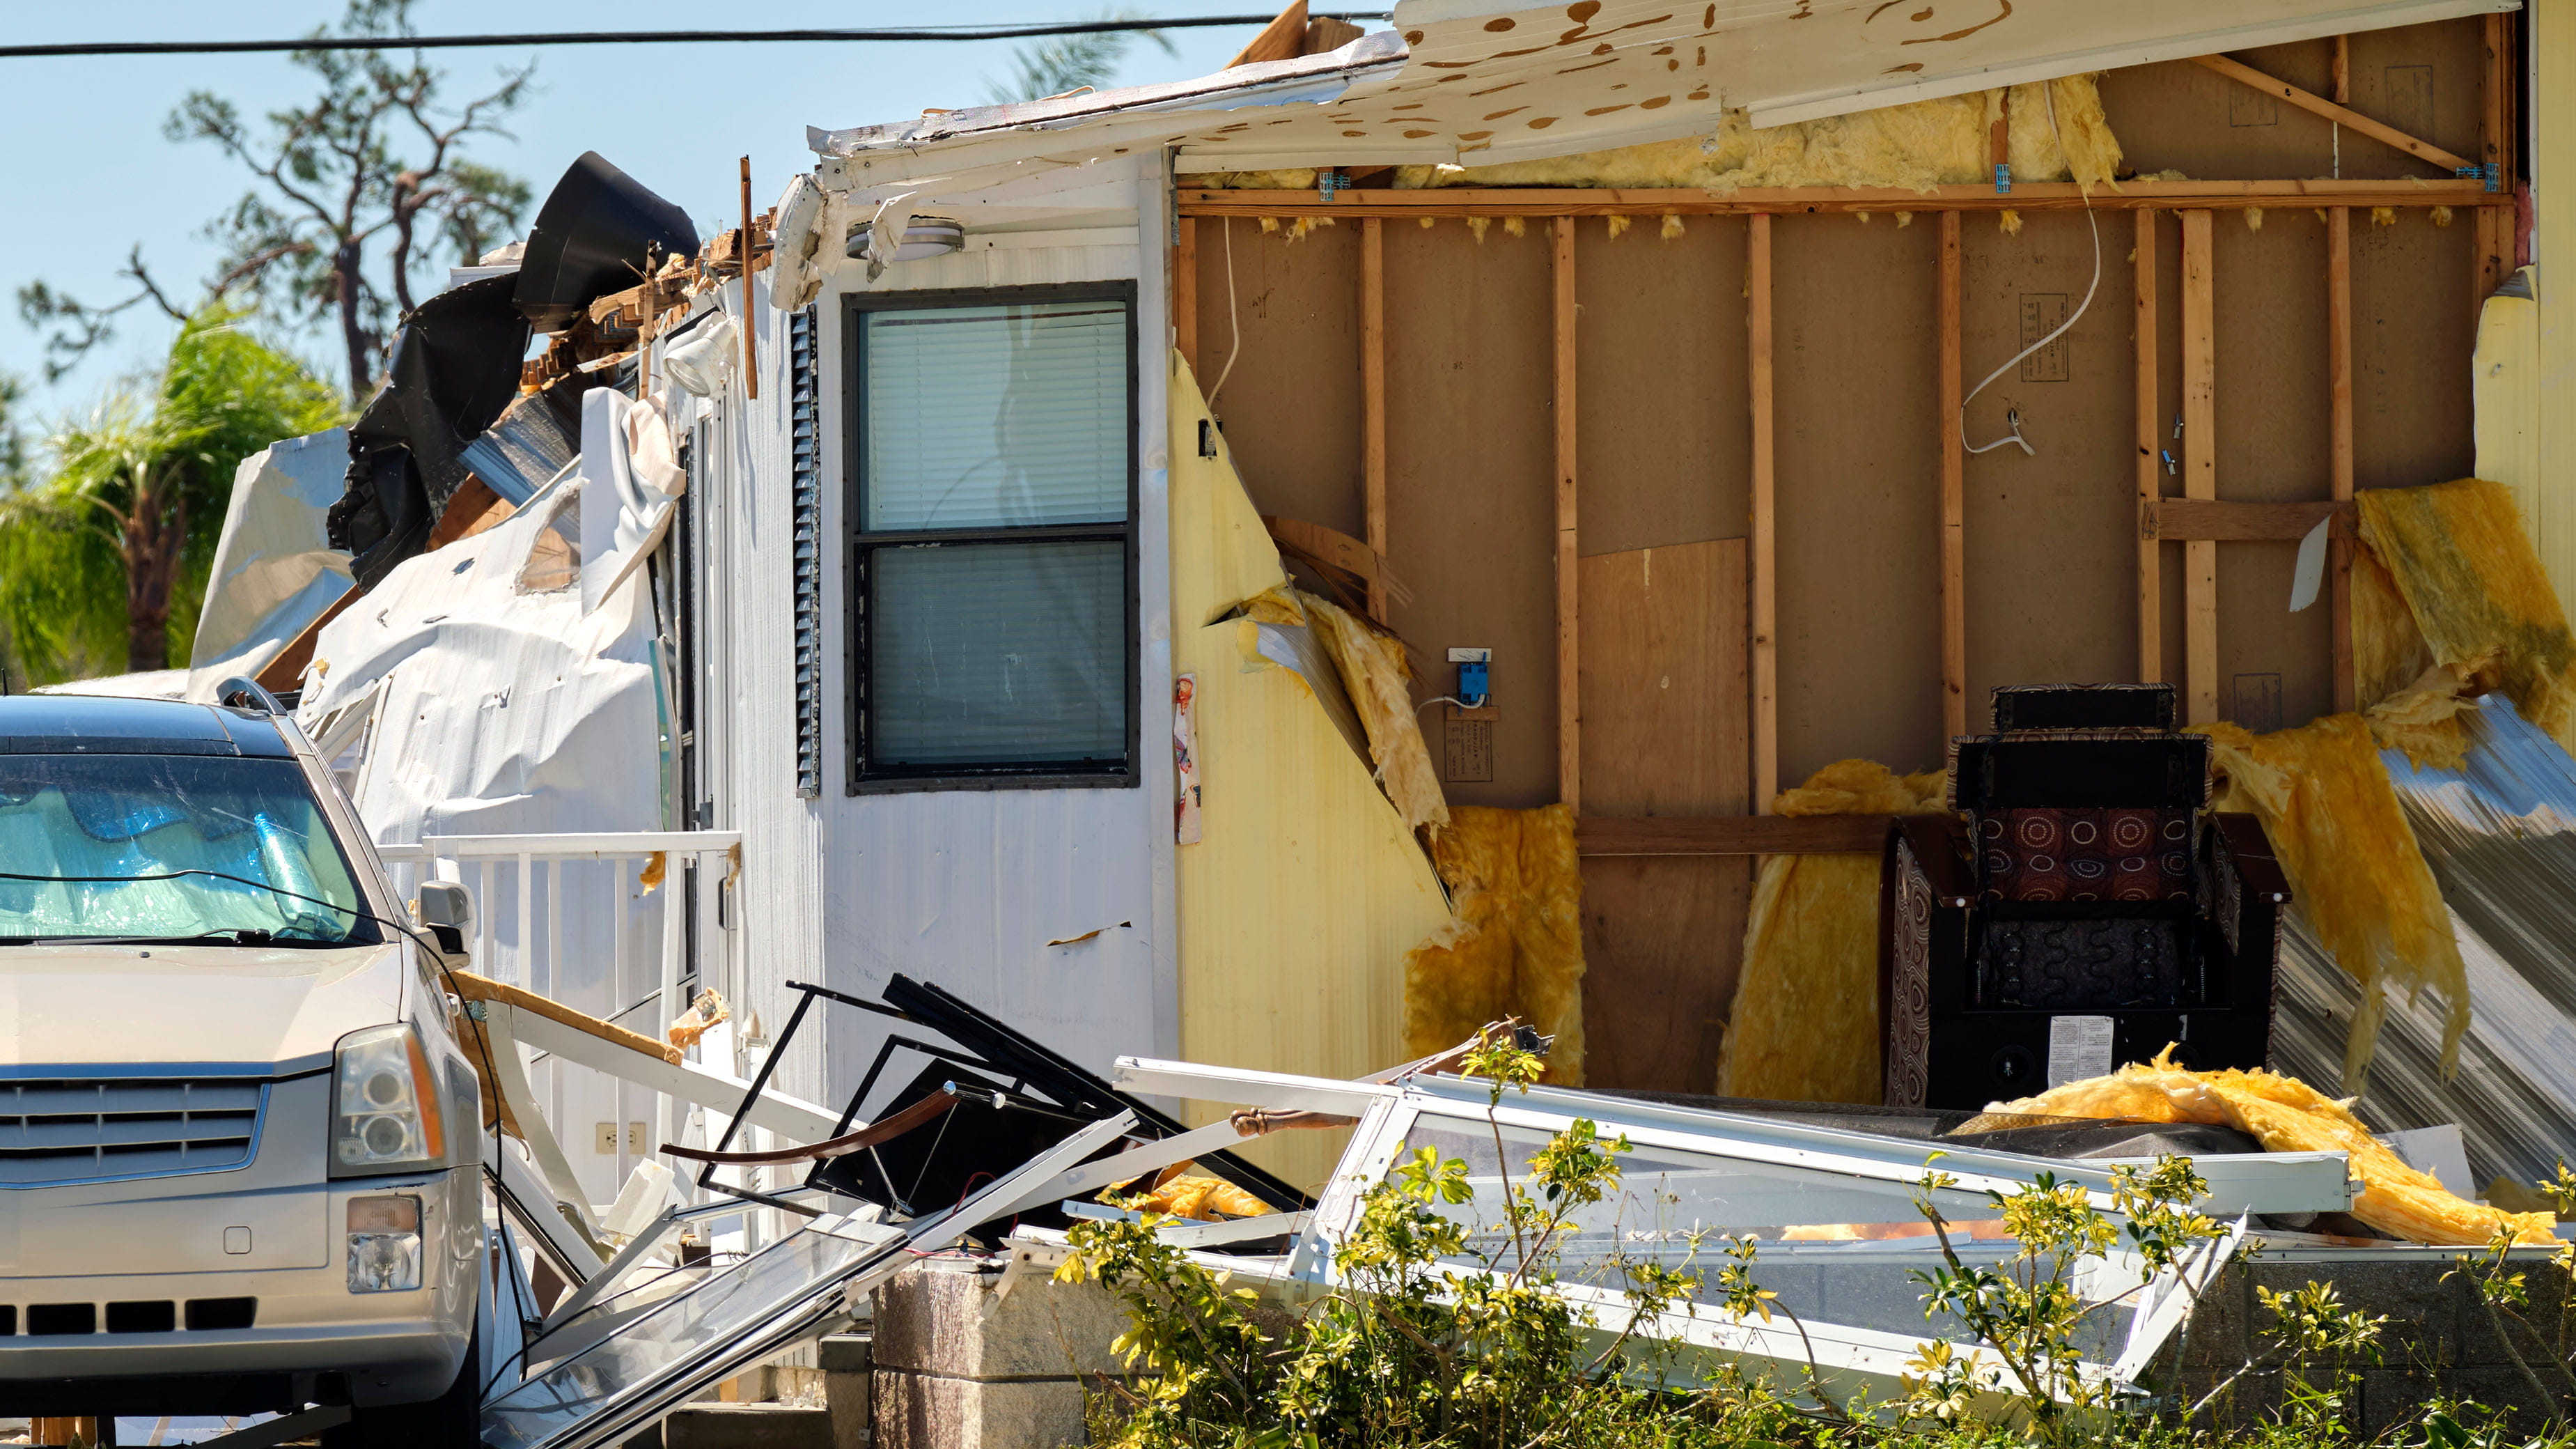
1461,82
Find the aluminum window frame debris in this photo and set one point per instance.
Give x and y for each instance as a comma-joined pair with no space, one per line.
1848,1356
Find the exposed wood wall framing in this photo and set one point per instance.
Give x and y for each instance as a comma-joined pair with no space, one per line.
2199,468
2497,126
1373,398
2339,441
1569,702
1954,496
2150,461
1185,291
1765,524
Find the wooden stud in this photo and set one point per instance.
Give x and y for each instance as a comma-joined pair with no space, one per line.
1569,707
1764,570
1185,293
2133,195
2494,230
1999,135
2343,116
2176,520
2343,70
2199,469
1731,834
750,322
1954,495
1373,396
2339,443
2150,461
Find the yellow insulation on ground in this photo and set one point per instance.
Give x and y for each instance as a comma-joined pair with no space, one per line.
1514,945
1804,1026
2357,876
2287,1115
2476,589
1207,1199
1374,674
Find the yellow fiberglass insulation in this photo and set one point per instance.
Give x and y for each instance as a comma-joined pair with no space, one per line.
1514,943
1371,663
2470,577
2287,1115
1918,146
2357,876
1804,1025
2388,652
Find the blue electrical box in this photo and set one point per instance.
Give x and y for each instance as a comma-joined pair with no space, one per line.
1471,681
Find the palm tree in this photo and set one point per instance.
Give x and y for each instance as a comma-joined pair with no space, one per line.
118,540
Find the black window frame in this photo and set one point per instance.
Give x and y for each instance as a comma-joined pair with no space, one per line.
859,544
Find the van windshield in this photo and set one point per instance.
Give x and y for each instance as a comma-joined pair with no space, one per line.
107,838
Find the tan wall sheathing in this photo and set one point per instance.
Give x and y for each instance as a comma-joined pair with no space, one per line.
2181,116
2048,536
2273,422
1471,511
1663,421
1859,493
1291,406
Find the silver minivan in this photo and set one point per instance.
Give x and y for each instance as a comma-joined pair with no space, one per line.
239,1129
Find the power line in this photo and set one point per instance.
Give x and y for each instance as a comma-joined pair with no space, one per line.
631,37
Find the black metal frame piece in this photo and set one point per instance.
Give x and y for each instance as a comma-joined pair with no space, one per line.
979,1043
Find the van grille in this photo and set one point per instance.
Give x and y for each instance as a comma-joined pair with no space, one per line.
77,1130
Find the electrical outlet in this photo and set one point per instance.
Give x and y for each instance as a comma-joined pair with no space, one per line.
635,1137
604,1139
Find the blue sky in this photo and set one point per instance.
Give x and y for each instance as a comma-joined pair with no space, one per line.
87,174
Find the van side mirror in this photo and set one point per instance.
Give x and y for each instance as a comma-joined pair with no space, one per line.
447,909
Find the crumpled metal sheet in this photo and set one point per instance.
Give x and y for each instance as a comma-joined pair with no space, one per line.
2500,835
275,571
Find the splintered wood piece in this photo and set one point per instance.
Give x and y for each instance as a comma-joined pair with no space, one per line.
1185,292
2199,469
1282,39
1764,564
750,324
1954,494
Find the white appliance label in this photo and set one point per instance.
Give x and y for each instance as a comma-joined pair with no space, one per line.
2078,1047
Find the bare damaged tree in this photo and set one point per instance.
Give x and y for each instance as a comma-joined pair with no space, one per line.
375,157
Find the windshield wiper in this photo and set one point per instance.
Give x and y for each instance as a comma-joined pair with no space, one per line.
228,936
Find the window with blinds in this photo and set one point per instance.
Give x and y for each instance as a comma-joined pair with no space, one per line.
994,555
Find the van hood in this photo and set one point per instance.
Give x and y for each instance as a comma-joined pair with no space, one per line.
277,1007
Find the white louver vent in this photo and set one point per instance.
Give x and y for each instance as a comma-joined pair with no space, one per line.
805,422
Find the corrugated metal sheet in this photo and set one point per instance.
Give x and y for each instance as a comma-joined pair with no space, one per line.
2500,834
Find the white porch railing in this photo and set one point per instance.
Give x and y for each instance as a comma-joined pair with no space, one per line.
541,875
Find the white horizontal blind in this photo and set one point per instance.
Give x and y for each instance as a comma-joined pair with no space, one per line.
996,417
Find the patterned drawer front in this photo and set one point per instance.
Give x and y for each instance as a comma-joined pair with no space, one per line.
2086,965
2085,855
58,1130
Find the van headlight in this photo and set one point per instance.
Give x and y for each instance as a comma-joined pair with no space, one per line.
384,1105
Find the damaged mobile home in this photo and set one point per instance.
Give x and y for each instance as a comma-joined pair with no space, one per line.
1848,557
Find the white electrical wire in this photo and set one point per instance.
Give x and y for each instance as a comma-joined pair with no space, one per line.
2012,416
1234,320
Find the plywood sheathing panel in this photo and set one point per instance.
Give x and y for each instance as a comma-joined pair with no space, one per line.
2180,116
1291,406
2412,336
1471,502
1664,734
1859,492
2048,537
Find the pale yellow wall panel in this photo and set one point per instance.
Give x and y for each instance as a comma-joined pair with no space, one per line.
1305,889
